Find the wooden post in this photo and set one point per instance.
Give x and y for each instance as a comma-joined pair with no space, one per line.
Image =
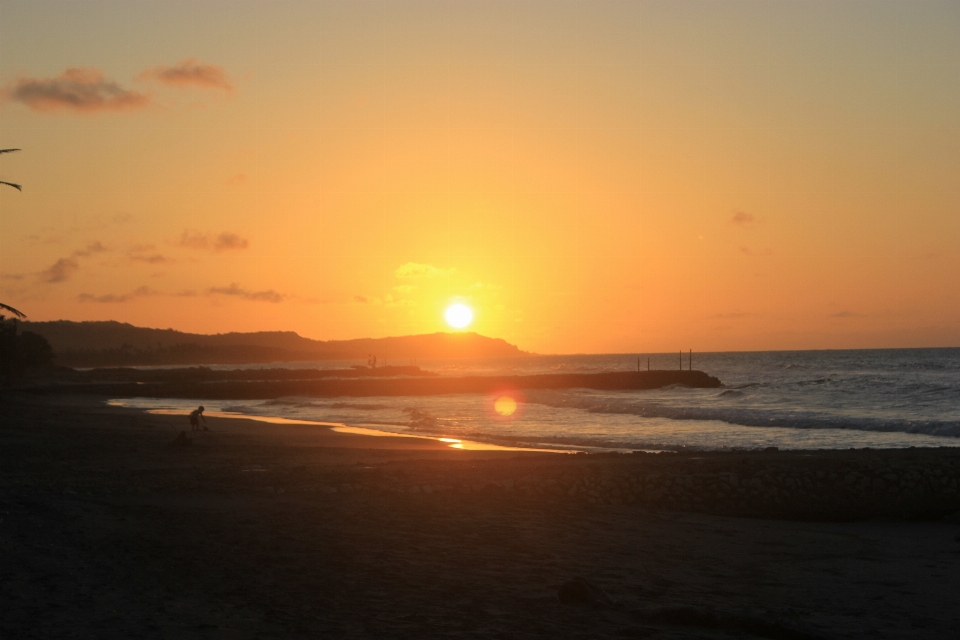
681,360
638,365
648,363
690,365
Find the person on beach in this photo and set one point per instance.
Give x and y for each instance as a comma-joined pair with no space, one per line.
195,417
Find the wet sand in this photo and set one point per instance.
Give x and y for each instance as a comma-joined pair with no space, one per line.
255,530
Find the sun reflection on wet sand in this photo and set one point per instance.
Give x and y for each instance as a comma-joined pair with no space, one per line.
453,443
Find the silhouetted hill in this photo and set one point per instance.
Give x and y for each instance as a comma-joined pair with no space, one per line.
100,344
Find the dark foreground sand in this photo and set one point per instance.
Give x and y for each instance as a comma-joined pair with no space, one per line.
107,530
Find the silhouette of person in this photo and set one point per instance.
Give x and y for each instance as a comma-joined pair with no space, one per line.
195,417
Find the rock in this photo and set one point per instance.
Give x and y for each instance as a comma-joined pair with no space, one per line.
580,591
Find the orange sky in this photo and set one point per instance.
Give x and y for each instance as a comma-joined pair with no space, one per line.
589,177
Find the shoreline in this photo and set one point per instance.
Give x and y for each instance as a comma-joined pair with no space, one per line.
815,484
339,427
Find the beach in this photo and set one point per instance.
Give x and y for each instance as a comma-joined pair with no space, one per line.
109,529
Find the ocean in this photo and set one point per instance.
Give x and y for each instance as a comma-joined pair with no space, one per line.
890,398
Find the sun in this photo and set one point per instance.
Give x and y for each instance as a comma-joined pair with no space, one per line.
459,315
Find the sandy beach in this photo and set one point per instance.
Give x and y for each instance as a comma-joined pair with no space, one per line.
253,530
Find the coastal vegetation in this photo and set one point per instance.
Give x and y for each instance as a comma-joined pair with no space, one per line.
21,351
110,344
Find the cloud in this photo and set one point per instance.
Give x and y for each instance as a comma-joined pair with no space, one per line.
59,271
194,240
420,270
235,290
64,268
741,218
79,89
239,179
110,298
361,299
154,258
189,73
747,251
94,247
226,241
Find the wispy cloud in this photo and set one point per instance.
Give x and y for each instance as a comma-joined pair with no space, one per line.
148,254
189,73
78,89
742,218
236,290
225,241
64,268
110,298
60,271
153,258
94,247
421,270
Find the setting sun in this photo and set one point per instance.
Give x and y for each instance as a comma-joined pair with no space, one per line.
459,315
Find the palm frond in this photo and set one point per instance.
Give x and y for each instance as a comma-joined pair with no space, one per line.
10,184
19,314
8,150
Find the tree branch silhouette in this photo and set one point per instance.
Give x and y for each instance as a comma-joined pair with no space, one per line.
19,314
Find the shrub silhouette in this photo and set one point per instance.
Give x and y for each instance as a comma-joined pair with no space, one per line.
21,352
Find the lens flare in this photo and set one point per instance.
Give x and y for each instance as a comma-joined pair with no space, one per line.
459,315
505,405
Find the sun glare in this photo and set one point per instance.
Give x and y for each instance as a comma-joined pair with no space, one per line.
459,315
505,405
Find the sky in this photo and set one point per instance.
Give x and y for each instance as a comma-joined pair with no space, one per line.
586,176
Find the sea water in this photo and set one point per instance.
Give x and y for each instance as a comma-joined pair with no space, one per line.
786,399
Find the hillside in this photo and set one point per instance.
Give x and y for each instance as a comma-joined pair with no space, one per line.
98,344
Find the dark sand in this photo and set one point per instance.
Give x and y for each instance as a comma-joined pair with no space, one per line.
268,531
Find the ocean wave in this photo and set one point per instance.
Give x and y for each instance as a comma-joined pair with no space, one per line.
307,403
748,416
359,405
748,385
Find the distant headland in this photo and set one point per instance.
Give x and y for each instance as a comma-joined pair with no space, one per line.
110,343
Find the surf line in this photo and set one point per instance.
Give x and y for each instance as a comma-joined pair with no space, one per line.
339,427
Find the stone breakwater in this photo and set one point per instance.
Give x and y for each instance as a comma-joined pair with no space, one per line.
821,485
176,387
